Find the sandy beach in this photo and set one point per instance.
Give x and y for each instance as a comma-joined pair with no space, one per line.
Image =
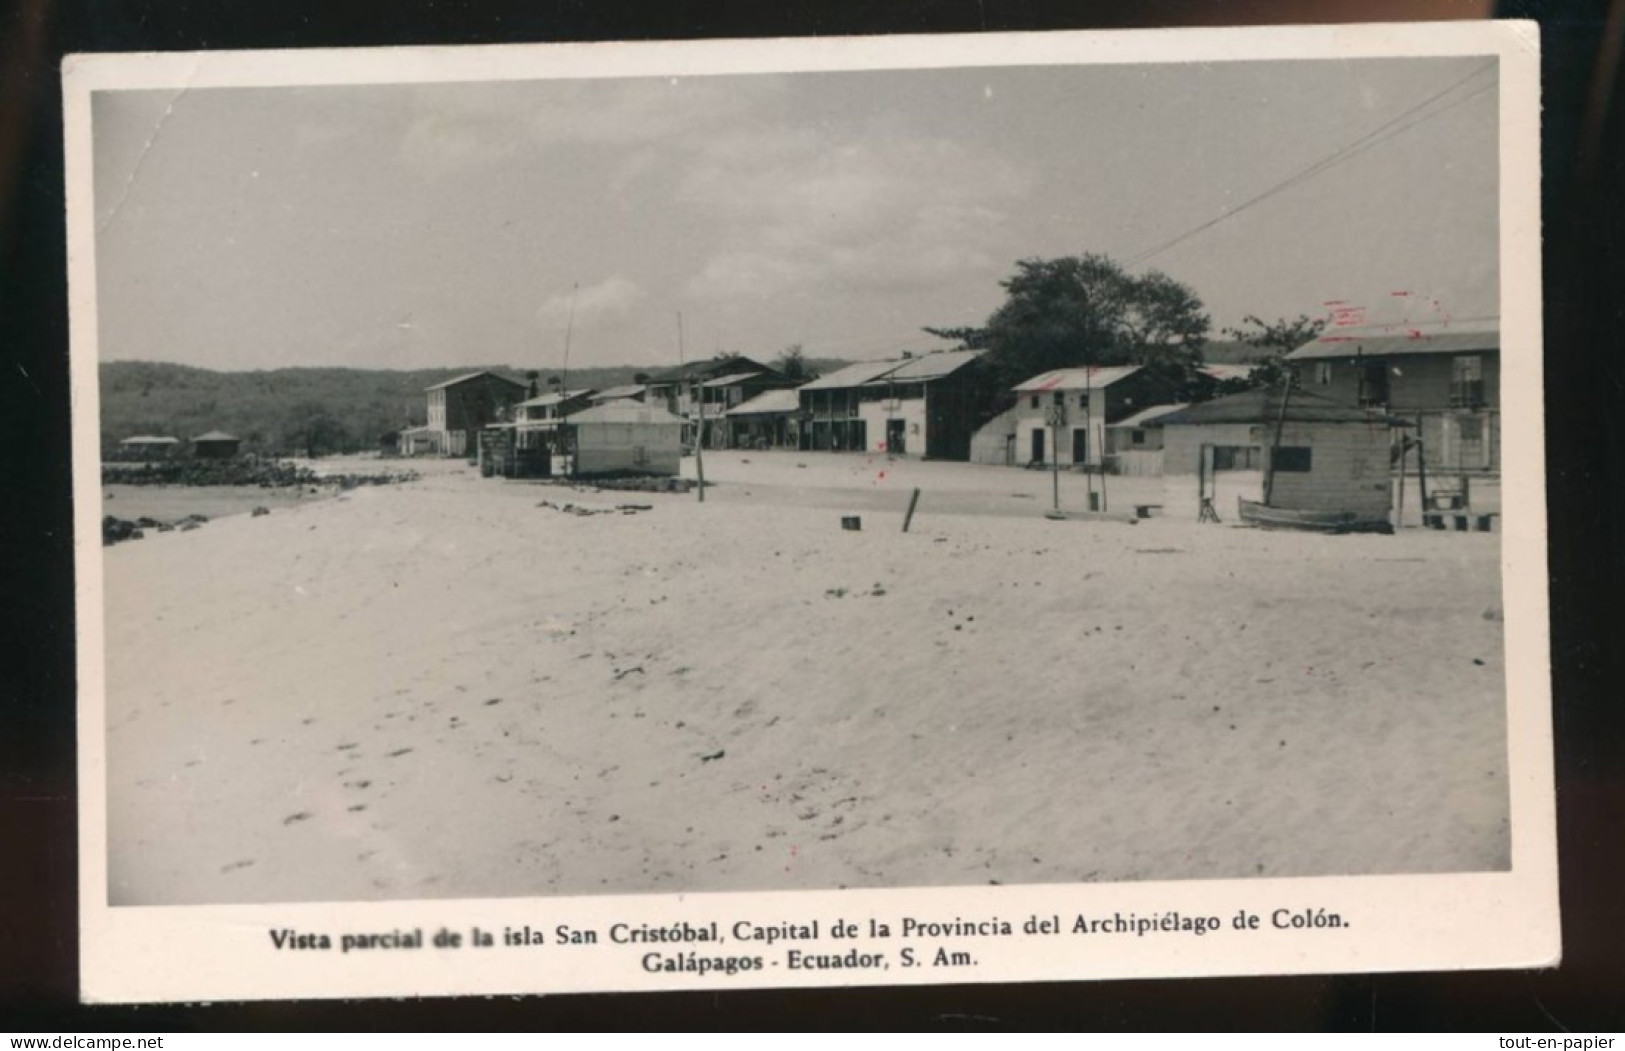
445,689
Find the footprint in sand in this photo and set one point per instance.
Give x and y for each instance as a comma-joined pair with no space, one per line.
235,865
399,752
303,815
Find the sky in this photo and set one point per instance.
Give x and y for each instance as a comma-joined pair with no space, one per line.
419,226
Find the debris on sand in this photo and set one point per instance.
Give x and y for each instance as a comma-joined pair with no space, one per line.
259,512
115,530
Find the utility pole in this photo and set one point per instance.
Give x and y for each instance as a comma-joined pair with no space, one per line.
564,385
699,433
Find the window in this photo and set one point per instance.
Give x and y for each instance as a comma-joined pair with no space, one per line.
1323,373
1467,381
1471,428
1035,401
1136,437
1083,400
1236,457
1295,459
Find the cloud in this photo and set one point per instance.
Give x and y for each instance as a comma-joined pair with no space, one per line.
609,301
873,209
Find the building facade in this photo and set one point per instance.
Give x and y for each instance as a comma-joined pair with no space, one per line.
460,407
1447,384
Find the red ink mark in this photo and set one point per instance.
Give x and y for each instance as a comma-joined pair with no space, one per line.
1399,293
882,474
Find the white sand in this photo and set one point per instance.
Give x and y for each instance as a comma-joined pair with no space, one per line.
442,689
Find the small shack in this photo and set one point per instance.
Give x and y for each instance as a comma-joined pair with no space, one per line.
627,437
1322,455
215,445
148,447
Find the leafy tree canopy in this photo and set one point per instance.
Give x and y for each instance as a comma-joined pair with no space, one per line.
1275,340
1088,310
792,364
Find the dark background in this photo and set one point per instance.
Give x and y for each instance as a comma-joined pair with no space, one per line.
1584,197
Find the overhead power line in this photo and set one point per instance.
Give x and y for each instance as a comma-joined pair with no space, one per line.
1389,129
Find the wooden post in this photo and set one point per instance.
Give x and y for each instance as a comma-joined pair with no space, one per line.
913,502
1404,454
1275,443
1421,467
699,445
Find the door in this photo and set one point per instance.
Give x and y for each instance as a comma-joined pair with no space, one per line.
1038,446
894,436
1080,445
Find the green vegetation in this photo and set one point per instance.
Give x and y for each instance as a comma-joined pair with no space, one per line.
307,411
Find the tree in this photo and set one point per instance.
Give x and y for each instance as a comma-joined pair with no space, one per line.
792,364
310,427
1088,310
1274,340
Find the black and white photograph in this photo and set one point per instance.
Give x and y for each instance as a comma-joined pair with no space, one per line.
566,477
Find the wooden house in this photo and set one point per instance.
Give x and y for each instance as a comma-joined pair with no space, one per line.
1087,399
1445,382
1322,455
925,406
461,406
708,388
536,420
216,445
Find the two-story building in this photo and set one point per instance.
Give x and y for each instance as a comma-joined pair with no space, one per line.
708,389
460,407
920,405
1445,382
1062,416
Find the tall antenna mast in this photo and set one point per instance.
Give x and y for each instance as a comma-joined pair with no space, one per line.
569,329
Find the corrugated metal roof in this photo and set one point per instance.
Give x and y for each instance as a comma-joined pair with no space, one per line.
217,436
630,390
626,412
854,375
1264,406
929,367
471,376
1090,378
142,439
1348,343
553,399
728,381
1147,416
768,402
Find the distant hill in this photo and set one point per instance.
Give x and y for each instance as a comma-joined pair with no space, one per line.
274,411
289,410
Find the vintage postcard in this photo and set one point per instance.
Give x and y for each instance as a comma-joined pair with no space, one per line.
832,512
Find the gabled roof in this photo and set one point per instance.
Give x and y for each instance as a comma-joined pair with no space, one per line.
1094,377
1349,343
854,375
1147,417
455,380
708,367
730,379
773,401
626,412
929,367
1264,406
553,399
629,390
217,436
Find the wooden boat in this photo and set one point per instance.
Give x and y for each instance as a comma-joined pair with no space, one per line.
1267,517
